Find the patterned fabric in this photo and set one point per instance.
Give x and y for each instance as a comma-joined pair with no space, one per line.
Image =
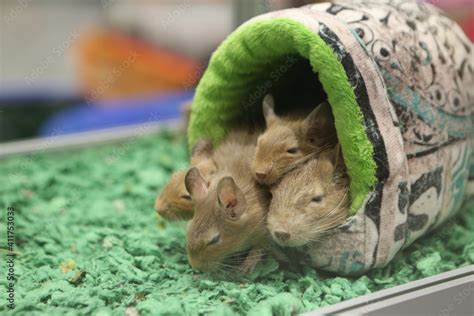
412,70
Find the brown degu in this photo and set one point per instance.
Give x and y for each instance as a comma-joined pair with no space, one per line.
290,140
174,201
309,201
230,210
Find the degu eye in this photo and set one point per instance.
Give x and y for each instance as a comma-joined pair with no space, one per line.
186,197
214,240
292,150
317,198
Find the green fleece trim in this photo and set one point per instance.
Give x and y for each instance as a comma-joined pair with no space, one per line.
234,70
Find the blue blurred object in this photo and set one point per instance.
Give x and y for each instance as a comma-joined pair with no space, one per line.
122,112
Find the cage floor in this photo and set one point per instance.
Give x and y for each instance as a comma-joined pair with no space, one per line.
88,240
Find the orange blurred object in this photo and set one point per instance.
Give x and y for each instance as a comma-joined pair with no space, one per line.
111,64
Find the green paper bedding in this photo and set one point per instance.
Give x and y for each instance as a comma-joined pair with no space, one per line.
91,211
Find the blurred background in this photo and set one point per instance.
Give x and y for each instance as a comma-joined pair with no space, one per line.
89,66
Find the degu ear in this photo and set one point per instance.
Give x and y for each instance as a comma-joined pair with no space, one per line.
231,199
319,125
195,184
202,149
269,109
337,159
